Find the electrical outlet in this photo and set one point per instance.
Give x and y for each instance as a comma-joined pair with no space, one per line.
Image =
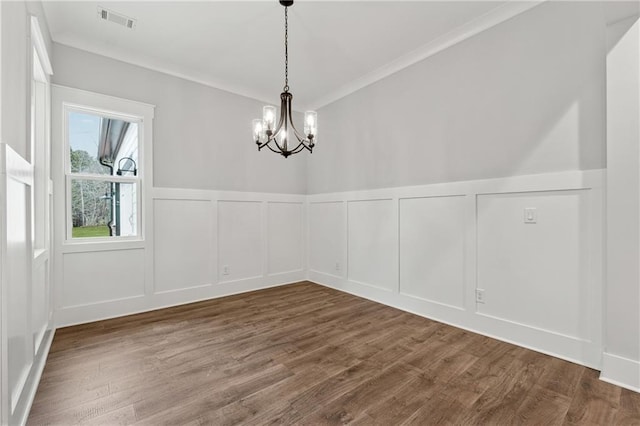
225,270
337,266
479,295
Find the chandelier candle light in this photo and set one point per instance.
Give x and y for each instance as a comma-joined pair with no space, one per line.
286,139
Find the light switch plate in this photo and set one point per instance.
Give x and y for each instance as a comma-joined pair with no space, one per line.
530,215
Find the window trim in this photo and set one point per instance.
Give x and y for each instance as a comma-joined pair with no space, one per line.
39,147
66,99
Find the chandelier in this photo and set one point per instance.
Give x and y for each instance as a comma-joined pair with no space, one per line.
282,137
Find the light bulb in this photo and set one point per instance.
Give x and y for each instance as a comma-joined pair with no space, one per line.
282,139
258,130
269,117
311,124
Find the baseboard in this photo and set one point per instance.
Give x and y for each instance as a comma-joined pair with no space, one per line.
430,250
23,408
616,370
135,305
563,347
620,371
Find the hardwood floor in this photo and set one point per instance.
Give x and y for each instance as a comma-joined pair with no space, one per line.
306,354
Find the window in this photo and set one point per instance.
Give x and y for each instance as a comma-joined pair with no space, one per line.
103,175
102,169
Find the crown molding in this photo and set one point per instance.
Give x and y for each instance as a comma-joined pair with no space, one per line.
173,70
160,66
490,19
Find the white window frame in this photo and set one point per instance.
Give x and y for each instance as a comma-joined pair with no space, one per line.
69,175
67,100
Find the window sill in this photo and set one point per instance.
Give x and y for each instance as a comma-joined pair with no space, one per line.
74,246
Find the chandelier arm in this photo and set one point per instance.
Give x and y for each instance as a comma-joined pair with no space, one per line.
281,121
307,147
268,141
300,137
275,142
299,148
303,140
277,151
296,150
263,144
302,145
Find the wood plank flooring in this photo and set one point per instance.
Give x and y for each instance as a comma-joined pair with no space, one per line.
306,354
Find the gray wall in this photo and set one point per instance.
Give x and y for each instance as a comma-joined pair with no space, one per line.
524,97
202,136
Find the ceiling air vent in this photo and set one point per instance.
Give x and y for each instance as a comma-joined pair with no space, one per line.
116,18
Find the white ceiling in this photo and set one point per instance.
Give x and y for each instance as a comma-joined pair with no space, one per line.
334,47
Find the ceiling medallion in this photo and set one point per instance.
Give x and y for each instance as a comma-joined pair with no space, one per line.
282,137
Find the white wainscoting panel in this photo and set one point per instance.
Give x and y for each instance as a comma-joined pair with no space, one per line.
40,296
327,223
240,248
535,273
427,249
372,245
26,335
183,238
201,244
621,371
18,270
432,249
102,276
285,251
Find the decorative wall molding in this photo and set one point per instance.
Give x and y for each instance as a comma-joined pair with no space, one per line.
482,23
620,371
22,357
492,18
191,245
331,267
163,67
33,380
417,270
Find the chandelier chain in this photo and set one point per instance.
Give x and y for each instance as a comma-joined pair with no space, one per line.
286,49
